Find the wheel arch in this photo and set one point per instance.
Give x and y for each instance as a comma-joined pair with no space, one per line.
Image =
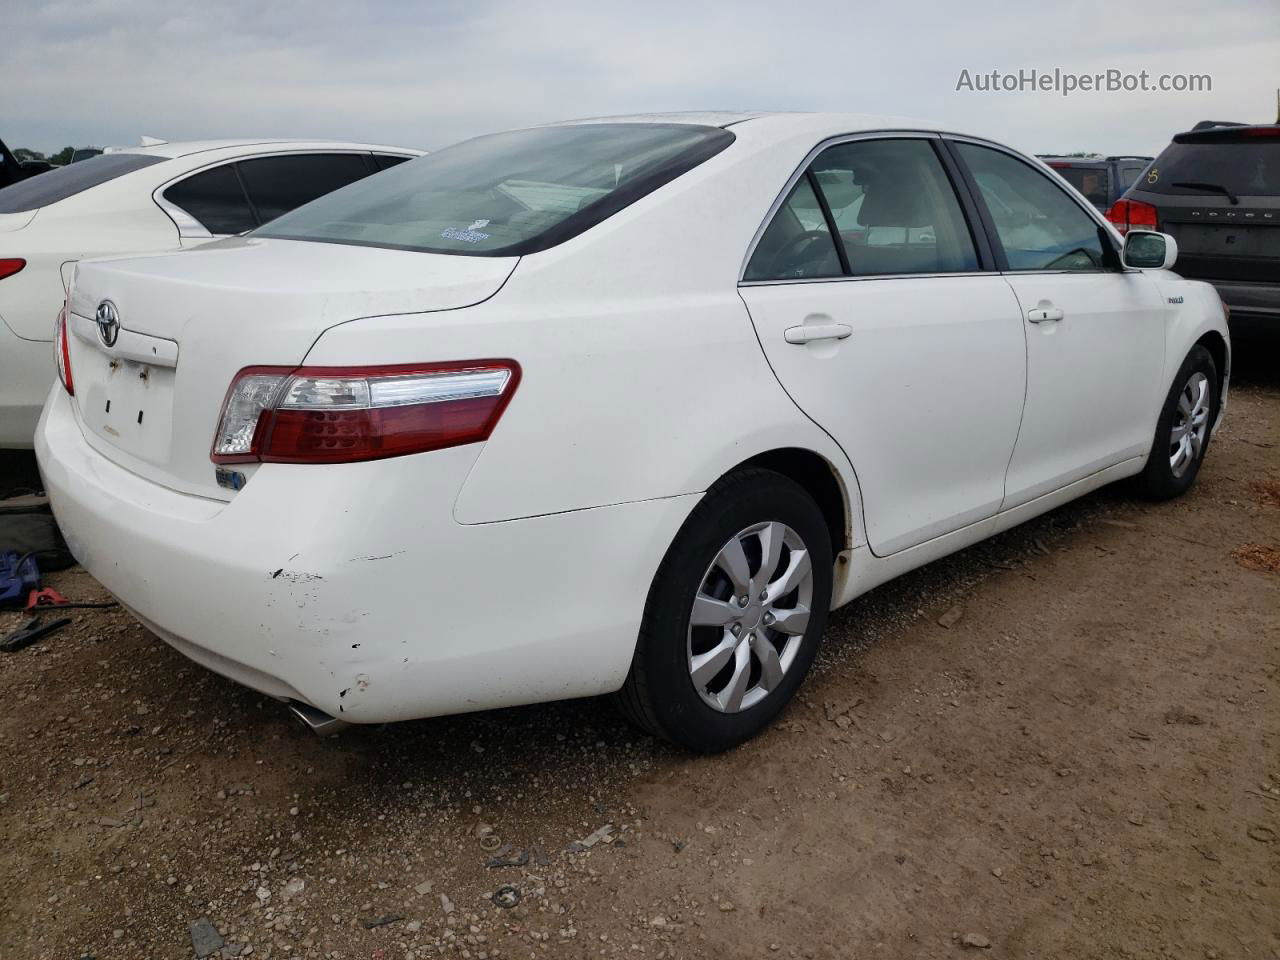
1216,344
821,480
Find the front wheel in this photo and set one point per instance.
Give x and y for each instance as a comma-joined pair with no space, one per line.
734,615
1184,428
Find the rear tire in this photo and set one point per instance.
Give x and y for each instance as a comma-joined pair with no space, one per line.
1183,430
755,560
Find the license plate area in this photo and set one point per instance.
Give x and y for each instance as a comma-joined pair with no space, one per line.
1226,240
127,403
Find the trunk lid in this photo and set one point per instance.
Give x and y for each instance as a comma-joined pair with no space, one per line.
188,321
9,222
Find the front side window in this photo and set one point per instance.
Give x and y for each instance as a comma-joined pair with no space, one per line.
506,194
1038,224
893,209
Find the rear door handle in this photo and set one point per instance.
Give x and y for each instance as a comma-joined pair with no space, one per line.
1045,314
810,332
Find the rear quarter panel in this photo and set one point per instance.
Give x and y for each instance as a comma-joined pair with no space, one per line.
642,375
617,402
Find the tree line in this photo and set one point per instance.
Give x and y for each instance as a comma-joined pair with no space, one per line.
61,158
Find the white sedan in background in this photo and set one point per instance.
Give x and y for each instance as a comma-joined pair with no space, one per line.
138,199
611,406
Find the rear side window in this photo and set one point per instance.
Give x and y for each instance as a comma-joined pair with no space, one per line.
1128,175
1248,168
797,244
506,194
1093,182
277,185
63,182
893,209
386,161
216,199
1038,224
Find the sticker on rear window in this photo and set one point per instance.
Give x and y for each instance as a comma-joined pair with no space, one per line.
471,234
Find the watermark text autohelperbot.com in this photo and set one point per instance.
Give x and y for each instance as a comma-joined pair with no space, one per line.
1065,83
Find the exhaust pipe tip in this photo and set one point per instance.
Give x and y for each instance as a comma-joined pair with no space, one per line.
317,721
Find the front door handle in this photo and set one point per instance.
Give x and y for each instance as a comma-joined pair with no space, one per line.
1045,314
810,332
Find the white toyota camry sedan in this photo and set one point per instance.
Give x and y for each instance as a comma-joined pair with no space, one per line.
619,406
157,196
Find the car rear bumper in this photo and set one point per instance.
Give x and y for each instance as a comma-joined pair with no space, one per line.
352,589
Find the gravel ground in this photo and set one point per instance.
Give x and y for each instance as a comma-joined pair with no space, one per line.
1060,743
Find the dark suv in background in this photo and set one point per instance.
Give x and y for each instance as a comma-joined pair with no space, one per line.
1216,190
1101,179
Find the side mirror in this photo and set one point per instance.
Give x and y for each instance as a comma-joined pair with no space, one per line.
1148,250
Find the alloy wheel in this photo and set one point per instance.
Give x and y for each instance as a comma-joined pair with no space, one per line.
749,616
1191,424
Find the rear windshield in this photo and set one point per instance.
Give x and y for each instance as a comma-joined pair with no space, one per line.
1091,181
62,182
1249,168
506,194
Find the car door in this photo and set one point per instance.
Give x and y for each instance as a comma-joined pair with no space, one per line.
1094,332
883,317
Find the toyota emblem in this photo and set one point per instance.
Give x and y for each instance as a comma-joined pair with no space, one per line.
108,321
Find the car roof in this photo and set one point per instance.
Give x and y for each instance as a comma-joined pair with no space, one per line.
185,148
703,118
1098,161
778,121
1210,132
1074,161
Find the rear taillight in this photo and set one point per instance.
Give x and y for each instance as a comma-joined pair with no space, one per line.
1133,214
344,414
61,354
11,265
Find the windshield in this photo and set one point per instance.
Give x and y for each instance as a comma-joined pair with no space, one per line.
62,182
506,194
1247,168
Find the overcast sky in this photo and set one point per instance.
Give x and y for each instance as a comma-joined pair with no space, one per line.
427,74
